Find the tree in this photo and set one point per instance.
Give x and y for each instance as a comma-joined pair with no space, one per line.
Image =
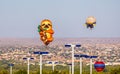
21,72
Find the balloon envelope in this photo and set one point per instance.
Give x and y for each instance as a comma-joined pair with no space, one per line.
99,66
45,30
90,20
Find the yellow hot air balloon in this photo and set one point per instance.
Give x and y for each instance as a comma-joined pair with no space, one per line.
46,32
90,22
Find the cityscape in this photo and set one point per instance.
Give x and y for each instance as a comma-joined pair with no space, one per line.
14,51
107,49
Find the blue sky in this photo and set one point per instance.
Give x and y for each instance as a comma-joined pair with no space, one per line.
20,18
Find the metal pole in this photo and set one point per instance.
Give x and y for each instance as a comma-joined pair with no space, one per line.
10,69
69,69
40,64
53,66
90,65
91,61
28,65
80,65
72,58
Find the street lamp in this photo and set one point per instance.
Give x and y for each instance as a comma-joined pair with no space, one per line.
91,57
80,56
53,64
41,53
11,65
72,46
28,63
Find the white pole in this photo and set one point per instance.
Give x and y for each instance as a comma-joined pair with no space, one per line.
40,64
28,64
69,69
10,69
53,65
80,65
72,58
90,65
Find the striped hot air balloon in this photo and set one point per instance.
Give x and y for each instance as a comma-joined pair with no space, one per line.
99,66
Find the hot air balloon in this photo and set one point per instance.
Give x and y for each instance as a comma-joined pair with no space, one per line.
90,22
45,31
99,66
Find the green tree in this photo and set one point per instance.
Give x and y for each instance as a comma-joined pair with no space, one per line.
4,72
115,71
21,72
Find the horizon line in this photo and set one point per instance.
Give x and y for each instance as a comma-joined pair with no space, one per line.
54,37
